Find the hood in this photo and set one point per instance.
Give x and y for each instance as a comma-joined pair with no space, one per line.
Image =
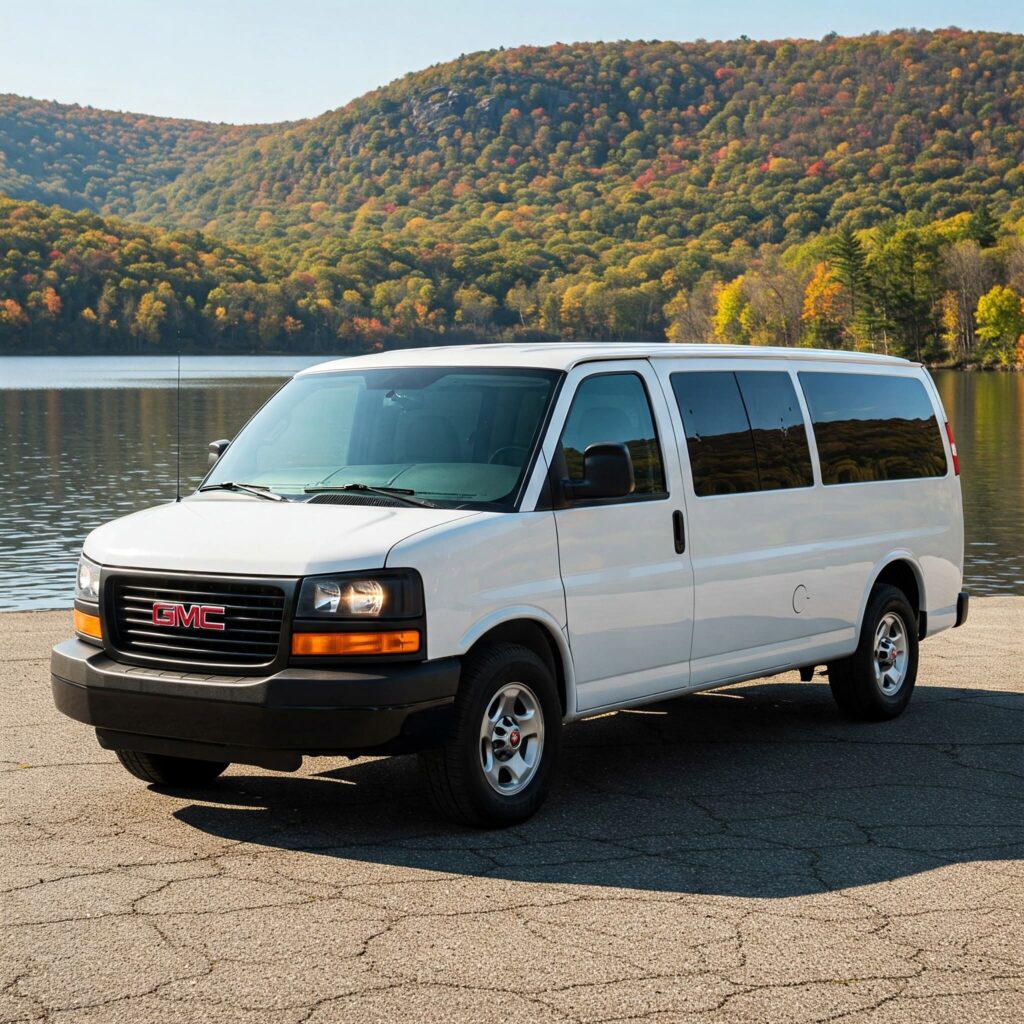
243,535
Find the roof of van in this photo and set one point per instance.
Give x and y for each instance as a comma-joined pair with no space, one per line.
565,355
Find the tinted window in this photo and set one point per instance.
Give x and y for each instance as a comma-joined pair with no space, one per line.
614,407
718,436
873,427
777,425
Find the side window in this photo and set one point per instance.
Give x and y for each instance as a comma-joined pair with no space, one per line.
718,437
777,424
873,427
614,407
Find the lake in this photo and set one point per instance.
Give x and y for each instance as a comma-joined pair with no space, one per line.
86,439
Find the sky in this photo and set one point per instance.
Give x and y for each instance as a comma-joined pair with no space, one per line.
262,61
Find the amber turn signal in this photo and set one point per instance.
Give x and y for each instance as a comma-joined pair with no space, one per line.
88,624
404,641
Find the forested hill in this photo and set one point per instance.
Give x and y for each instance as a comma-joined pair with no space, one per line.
585,190
764,141
100,160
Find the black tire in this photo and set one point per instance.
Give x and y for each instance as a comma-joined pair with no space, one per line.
854,681
162,770
456,779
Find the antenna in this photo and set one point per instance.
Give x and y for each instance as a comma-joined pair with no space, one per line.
177,442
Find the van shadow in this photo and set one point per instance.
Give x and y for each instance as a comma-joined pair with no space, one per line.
757,791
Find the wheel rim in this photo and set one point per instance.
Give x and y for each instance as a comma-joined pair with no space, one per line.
890,654
511,739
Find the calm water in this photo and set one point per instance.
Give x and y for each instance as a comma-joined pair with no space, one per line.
89,439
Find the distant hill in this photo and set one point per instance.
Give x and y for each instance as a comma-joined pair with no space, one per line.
768,141
100,160
579,190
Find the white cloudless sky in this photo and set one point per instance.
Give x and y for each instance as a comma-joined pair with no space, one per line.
259,61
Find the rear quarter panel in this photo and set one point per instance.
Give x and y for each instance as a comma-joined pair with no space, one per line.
874,523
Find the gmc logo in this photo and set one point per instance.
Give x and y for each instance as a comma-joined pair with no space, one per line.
192,616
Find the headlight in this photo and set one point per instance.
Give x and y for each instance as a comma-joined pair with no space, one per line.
395,594
87,582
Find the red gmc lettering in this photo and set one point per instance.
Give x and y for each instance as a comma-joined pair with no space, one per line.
193,616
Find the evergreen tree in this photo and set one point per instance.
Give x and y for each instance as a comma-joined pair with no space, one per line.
849,266
983,227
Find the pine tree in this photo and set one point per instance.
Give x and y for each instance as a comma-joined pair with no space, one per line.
983,227
849,266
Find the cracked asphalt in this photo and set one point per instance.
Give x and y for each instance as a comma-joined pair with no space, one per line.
741,856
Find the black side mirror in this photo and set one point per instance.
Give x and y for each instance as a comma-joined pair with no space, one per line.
217,449
607,473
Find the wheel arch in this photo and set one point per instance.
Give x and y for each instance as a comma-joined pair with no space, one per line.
539,633
899,569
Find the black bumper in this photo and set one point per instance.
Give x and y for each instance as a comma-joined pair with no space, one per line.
963,606
269,720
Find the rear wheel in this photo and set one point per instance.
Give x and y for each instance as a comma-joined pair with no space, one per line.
876,682
162,770
497,766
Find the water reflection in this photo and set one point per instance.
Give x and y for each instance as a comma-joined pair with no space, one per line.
75,456
987,413
87,440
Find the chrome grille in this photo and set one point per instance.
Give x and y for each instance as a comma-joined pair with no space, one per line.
253,617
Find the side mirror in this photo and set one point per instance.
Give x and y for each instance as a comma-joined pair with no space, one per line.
217,449
607,473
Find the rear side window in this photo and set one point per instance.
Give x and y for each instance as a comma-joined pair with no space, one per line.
777,424
614,407
744,431
718,436
873,427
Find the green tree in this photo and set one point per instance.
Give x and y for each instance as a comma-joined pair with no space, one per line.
905,284
1000,318
850,268
982,226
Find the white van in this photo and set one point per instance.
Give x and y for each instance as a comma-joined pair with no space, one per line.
456,551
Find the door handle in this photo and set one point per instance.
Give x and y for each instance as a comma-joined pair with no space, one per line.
679,531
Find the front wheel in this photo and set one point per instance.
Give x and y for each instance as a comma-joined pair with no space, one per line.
163,770
877,680
496,768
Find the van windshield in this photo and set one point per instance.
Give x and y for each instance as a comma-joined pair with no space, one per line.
452,436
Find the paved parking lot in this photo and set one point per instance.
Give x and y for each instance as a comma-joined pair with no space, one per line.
739,856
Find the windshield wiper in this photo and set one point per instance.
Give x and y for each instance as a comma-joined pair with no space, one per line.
399,493
258,489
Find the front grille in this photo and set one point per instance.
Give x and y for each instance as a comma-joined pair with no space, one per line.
253,617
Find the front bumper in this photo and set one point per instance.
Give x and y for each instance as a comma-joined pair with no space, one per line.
267,720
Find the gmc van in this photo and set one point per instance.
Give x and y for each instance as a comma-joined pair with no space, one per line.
456,551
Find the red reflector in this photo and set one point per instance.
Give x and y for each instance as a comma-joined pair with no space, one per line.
952,448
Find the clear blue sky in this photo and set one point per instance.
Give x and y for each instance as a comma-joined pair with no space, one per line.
228,60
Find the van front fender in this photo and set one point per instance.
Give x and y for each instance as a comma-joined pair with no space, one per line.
541,618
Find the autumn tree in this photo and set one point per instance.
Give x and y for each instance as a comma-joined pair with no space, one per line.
1000,318
967,274
149,317
689,314
822,314
732,320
